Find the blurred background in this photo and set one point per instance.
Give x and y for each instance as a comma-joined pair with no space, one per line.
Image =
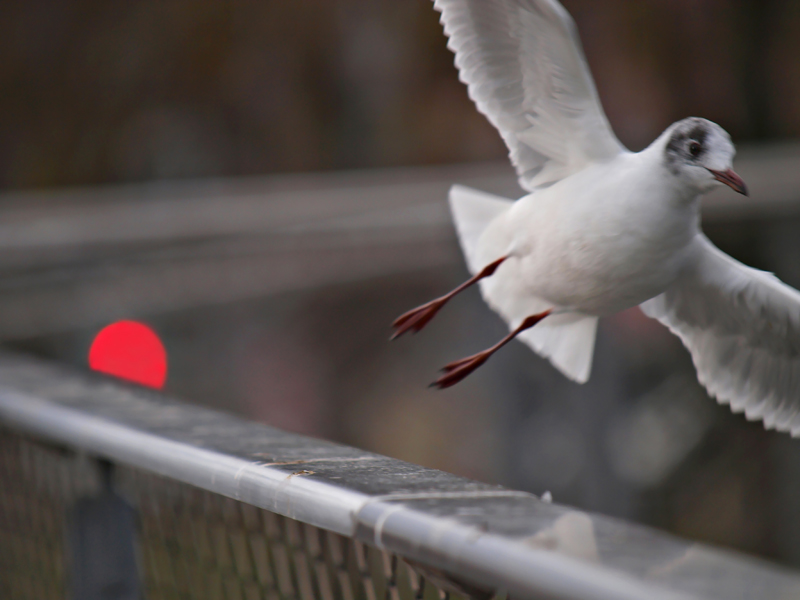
264,183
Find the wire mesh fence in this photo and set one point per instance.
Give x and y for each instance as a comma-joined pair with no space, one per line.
192,544
114,492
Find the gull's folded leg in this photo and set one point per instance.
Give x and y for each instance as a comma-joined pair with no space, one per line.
418,317
459,369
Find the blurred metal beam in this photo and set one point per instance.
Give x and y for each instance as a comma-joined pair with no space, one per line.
79,258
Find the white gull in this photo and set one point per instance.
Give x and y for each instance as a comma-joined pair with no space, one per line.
604,229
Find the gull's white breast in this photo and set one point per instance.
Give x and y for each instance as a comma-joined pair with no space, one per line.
600,241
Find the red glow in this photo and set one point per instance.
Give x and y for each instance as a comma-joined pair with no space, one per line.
130,351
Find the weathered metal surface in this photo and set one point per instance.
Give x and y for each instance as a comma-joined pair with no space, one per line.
478,535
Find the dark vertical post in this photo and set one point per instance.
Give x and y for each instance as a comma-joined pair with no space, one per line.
757,30
101,545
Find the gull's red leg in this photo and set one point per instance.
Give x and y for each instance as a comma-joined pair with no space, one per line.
459,369
418,317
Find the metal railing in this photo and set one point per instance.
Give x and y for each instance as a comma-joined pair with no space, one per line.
112,491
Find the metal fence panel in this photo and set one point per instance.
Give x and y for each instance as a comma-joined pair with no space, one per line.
191,543
234,509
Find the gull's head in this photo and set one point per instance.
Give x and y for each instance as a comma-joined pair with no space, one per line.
700,153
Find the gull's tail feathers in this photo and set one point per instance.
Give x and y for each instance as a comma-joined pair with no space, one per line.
472,211
566,340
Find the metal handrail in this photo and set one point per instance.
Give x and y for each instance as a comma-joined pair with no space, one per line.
487,536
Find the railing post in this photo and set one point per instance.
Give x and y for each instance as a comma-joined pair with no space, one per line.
101,544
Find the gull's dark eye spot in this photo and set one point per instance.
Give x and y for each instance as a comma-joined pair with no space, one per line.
695,148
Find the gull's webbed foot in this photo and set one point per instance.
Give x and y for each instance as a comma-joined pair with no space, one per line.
459,369
417,318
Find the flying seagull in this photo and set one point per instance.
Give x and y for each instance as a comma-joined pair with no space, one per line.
603,229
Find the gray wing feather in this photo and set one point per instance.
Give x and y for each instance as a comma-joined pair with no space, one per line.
742,328
525,70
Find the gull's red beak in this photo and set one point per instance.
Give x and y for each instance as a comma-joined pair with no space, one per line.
731,179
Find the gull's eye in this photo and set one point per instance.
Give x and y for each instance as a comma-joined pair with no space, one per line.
695,148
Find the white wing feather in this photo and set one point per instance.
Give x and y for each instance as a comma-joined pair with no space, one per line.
742,328
525,70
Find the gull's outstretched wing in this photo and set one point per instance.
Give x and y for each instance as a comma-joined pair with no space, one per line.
742,328
524,67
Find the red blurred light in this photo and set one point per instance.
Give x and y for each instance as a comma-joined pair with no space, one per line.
130,351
